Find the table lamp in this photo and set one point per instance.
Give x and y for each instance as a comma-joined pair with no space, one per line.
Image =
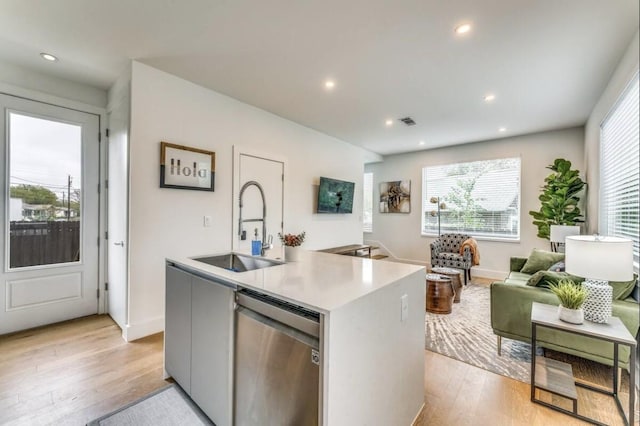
599,259
558,233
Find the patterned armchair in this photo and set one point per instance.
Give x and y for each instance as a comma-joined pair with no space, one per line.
445,252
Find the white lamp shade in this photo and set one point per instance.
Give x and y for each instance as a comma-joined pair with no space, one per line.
558,233
599,258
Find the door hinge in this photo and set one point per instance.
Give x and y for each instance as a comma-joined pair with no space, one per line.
98,188
283,177
98,241
106,184
99,137
97,293
106,286
106,132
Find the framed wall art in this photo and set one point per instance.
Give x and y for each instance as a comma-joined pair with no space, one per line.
395,197
183,167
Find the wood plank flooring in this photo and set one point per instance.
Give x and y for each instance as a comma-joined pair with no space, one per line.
73,372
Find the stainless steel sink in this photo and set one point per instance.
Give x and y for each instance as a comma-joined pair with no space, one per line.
237,262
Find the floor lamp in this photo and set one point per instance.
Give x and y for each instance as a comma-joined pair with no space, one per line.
599,260
441,206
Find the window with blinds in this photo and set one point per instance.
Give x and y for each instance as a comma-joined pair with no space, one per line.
620,170
367,205
480,198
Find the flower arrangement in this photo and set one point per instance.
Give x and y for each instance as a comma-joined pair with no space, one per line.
292,240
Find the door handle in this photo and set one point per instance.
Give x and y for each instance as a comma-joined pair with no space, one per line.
121,244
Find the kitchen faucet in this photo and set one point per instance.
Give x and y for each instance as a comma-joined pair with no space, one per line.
266,245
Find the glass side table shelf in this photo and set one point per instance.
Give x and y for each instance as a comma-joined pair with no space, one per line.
557,377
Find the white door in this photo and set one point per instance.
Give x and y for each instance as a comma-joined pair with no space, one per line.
268,173
117,211
50,163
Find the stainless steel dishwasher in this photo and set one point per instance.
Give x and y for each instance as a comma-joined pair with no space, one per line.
277,362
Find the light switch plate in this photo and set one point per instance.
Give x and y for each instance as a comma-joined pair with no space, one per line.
206,222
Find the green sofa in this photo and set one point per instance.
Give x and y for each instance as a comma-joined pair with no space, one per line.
511,301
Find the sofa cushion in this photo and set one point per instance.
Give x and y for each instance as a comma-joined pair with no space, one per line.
546,278
557,267
541,260
622,289
518,276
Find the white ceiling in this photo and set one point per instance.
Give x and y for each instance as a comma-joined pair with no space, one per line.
547,61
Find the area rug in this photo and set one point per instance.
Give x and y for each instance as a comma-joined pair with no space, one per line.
466,335
168,406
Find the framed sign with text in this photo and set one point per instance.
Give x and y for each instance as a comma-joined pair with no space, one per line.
183,167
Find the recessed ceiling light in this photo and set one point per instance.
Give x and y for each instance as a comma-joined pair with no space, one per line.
489,97
48,57
502,129
329,84
421,143
463,29
388,123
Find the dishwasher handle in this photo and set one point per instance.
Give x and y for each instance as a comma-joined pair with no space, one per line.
309,326
291,332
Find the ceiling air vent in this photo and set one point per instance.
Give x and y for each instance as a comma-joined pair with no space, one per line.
408,121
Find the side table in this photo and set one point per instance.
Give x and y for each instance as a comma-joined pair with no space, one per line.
557,377
439,298
454,274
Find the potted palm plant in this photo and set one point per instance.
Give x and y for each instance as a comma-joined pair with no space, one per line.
572,297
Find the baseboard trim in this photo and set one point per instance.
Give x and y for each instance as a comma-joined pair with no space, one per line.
418,420
143,329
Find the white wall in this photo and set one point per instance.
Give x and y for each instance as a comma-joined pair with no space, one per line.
169,222
17,76
400,233
626,69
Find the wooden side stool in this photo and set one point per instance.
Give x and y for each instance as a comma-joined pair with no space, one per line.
454,274
439,294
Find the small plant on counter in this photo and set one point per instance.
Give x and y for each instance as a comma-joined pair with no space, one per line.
292,240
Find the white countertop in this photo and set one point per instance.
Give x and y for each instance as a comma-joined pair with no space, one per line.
319,281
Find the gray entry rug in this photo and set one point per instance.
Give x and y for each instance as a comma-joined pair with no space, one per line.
466,335
169,406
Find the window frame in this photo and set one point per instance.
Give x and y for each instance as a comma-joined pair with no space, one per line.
482,237
366,229
603,213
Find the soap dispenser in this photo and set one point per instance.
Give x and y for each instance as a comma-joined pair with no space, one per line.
256,244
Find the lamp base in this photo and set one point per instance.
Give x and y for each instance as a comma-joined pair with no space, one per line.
597,306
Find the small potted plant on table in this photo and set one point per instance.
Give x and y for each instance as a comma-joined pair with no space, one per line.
291,242
572,297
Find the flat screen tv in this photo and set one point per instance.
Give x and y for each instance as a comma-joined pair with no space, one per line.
335,196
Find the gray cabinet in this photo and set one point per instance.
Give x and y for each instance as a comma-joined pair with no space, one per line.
177,328
199,341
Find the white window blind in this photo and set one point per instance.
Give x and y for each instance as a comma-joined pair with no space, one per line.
480,198
367,206
620,170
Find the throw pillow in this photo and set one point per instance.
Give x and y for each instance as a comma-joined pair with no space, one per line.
540,260
557,267
545,278
621,289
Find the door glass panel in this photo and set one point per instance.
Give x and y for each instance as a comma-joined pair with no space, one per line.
44,191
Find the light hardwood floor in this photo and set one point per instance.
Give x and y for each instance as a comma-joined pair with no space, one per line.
73,372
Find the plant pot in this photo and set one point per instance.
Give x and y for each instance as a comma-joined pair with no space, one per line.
573,316
291,254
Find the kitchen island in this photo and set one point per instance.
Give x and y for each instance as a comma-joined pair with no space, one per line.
370,343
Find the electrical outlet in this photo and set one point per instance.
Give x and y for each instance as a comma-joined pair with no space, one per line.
206,222
404,307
